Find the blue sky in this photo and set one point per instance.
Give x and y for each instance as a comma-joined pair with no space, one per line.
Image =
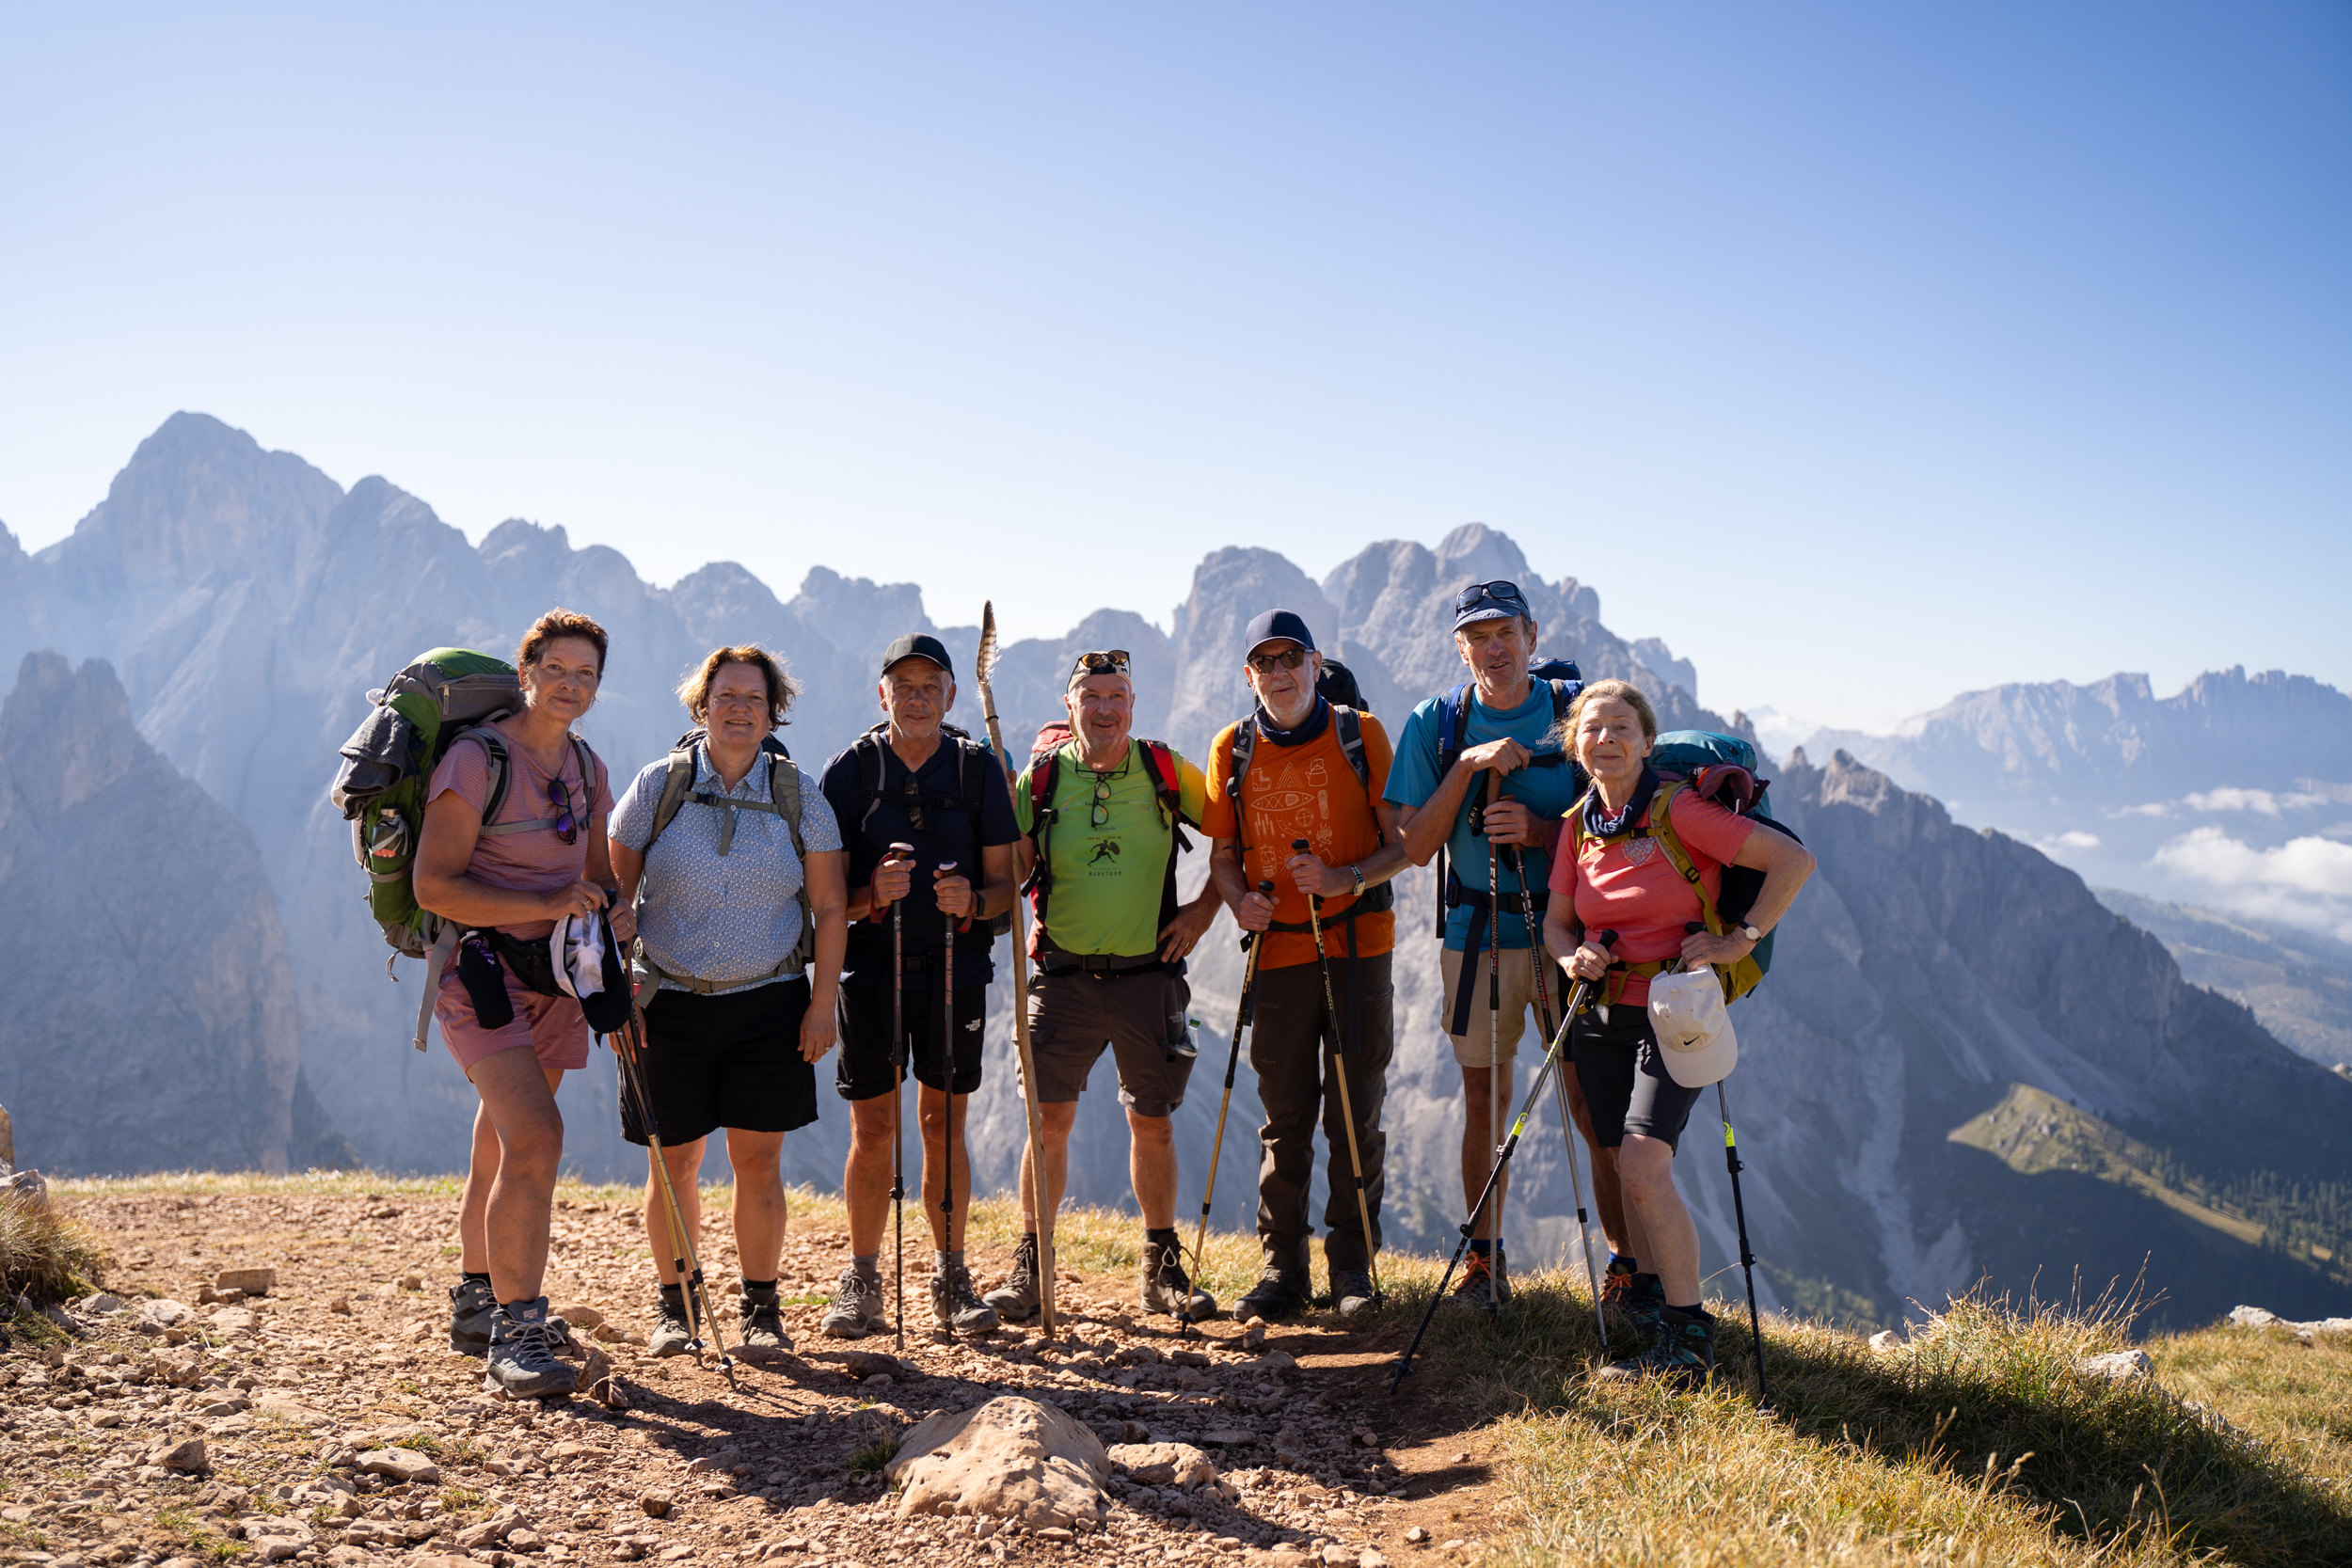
1865,353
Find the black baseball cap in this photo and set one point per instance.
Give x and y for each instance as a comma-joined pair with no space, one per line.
917,646
1272,624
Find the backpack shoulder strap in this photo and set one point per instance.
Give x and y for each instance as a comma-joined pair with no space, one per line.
1662,827
1562,699
674,785
1167,784
495,759
1350,725
784,792
1452,728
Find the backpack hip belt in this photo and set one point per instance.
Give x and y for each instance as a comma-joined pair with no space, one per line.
1474,941
786,968
1055,960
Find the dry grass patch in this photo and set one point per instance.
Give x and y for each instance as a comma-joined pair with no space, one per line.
45,1253
1979,1441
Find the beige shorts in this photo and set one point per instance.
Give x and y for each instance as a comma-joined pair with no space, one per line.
1518,1004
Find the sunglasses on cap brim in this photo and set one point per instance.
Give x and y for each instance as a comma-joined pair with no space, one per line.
1500,594
1112,662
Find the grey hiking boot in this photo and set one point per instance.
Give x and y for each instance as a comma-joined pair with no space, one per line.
1279,1294
670,1336
856,1308
1477,1287
1684,1354
1017,1299
763,1319
1351,1292
954,1307
1168,1288
470,1308
521,1362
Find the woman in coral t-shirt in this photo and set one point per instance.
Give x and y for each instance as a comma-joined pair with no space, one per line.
1613,876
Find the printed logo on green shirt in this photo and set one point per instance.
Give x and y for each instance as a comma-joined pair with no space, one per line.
1105,848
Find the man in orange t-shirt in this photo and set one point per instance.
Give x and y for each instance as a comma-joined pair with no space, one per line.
1303,782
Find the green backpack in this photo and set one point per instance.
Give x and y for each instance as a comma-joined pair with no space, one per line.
419,715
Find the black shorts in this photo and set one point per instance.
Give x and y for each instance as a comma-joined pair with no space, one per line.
1627,1086
865,1067
725,1061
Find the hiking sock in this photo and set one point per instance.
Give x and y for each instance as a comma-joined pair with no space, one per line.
1700,1312
868,1265
751,1285
467,1276
1650,1282
943,1261
1623,1262
673,1297
1161,1238
1481,1243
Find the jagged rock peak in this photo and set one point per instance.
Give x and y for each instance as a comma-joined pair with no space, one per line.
65,735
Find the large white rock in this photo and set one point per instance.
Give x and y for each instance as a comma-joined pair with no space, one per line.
2118,1366
1010,1459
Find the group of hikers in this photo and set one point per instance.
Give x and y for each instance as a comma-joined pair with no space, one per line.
773,914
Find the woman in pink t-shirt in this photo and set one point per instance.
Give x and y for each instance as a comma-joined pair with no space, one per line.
509,888
1613,875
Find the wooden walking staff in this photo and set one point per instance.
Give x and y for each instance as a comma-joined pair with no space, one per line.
981,667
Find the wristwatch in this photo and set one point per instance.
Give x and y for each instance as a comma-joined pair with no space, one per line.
1358,872
1751,933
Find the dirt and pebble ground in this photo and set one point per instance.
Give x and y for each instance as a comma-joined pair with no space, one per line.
336,1427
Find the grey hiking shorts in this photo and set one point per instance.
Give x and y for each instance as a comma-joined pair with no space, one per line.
1139,1015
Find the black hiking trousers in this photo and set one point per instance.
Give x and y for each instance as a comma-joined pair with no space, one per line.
1290,1050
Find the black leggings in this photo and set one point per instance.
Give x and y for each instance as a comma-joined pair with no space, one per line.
1626,1085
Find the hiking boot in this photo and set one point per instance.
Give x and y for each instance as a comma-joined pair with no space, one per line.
1017,1299
670,1336
1503,1276
1351,1290
1279,1294
1684,1354
1634,1301
1168,1288
1477,1288
763,1319
856,1309
521,1361
470,1308
954,1307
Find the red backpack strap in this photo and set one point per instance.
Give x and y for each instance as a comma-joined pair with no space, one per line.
1167,783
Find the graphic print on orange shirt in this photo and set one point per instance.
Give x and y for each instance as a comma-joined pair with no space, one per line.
1306,791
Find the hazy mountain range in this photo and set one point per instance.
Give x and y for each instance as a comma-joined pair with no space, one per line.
1938,990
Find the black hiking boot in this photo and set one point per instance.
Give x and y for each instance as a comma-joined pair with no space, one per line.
471,1308
763,1319
1279,1294
1168,1288
1684,1356
670,1336
1018,1298
1351,1292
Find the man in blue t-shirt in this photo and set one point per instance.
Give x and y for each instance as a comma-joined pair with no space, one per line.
910,781
1508,735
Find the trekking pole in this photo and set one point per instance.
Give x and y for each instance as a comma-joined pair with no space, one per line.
1255,942
1510,1145
1494,1030
948,1069
897,1098
1560,1083
683,1262
1339,1074
1739,1210
1747,1258
982,665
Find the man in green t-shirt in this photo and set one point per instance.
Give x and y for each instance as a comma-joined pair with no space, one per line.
1109,943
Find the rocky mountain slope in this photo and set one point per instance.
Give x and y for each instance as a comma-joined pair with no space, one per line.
2298,983
152,1022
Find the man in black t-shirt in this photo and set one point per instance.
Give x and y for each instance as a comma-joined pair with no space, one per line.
910,780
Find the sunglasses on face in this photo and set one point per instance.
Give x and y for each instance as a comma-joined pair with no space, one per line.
1111,663
1289,658
561,798
1498,591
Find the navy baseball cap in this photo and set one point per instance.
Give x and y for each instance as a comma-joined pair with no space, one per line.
1273,624
1491,601
917,646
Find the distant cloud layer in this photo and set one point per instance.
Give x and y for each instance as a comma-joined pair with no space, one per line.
2306,881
